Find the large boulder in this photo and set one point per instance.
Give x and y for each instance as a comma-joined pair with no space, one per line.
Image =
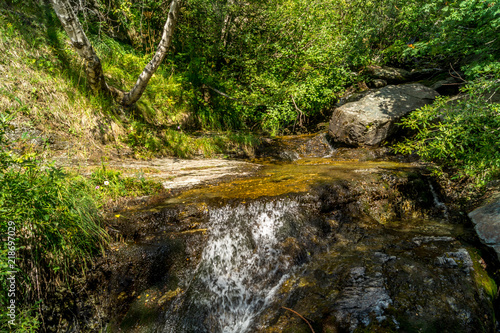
373,118
487,224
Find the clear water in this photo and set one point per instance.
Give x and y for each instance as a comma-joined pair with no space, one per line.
242,266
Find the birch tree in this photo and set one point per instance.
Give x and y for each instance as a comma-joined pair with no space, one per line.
93,67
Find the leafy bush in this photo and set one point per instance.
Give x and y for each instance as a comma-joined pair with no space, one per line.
460,133
460,31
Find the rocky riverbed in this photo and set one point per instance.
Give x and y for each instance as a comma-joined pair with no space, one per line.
349,245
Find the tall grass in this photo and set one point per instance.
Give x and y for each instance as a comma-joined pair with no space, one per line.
57,229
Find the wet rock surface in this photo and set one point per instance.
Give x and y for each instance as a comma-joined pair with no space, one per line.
349,245
176,173
372,119
292,148
398,287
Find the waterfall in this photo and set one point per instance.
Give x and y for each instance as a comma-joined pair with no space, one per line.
438,203
242,267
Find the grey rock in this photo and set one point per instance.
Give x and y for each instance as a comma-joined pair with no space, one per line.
288,155
377,83
459,259
389,74
373,118
429,239
487,224
351,97
364,296
384,257
448,86
292,148
419,74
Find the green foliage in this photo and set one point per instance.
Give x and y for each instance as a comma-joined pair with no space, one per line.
276,65
111,184
176,142
270,66
281,63
460,31
460,133
56,222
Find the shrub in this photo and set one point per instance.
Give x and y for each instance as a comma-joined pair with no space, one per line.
460,133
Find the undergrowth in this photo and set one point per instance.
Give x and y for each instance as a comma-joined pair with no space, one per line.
50,227
109,184
43,78
460,133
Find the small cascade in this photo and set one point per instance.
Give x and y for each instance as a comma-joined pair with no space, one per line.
438,203
342,243
241,268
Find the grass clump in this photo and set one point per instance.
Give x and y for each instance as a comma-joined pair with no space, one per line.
110,184
57,223
54,227
148,142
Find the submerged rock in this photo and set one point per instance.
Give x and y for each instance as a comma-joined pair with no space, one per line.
373,118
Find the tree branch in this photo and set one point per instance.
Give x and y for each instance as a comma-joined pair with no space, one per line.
227,96
298,314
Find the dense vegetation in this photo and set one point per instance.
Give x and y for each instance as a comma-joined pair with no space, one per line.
54,224
461,134
283,60
234,67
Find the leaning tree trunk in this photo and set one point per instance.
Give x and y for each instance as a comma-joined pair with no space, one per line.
73,28
166,39
93,66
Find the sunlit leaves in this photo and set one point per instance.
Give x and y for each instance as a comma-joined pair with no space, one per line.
461,133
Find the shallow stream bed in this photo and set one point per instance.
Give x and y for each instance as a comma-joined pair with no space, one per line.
312,244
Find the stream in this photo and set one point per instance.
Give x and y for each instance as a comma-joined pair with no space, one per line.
341,244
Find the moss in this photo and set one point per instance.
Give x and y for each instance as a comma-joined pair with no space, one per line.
483,280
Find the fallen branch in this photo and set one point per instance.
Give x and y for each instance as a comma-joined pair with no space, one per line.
221,93
298,314
458,75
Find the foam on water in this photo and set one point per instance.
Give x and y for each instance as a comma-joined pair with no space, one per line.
241,268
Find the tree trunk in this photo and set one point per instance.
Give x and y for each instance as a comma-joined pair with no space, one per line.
166,39
93,66
227,23
73,28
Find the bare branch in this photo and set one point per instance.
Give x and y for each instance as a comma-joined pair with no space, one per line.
298,314
300,113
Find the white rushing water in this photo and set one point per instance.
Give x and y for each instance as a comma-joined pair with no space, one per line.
438,203
242,265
